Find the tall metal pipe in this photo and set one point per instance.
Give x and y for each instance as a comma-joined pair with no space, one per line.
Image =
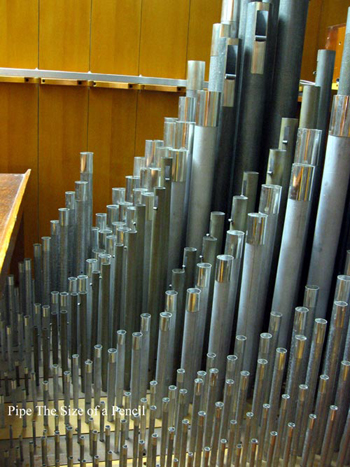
203,161
293,245
249,324
332,201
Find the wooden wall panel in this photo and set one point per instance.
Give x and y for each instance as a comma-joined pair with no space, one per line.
164,34
151,110
112,118
64,40
19,147
63,116
19,33
203,14
308,65
115,36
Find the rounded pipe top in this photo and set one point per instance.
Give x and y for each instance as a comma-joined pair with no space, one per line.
192,300
256,227
223,268
270,198
203,274
86,162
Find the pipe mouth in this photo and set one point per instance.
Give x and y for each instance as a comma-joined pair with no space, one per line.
311,295
193,300
223,268
256,229
164,321
70,199
150,151
139,163
207,112
339,124
301,182
121,336
171,301
137,340
234,243
81,191
118,195
203,275
63,214
195,75
270,199
86,162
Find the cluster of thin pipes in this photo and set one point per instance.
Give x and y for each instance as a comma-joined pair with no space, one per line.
95,333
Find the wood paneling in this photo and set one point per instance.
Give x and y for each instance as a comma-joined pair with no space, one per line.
115,36
203,14
63,116
112,118
19,33
151,110
19,147
164,34
308,65
64,40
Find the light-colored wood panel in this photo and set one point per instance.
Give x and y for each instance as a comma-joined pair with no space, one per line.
164,31
115,36
308,65
203,14
63,116
19,33
112,118
151,110
64,40
19,147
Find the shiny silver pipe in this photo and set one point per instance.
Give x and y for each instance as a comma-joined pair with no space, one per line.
86,175
332,201
135,369
121,337
241,403
203,162
293,245
82,235
70,204
190,343
178,285
145,345
202,284
248,323
162,358
234,246
259,393
156,280
147,198
332,357
221,321
129,317
298,420
111,382
55,249
104,313
177,207
277,379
